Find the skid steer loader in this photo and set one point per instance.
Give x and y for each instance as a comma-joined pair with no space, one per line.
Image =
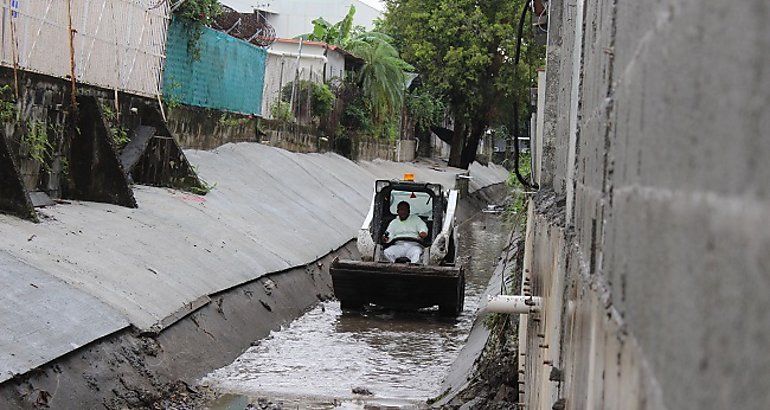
437,280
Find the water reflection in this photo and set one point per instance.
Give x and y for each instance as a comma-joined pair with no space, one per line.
400,357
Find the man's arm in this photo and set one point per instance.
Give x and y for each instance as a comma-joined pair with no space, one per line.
422,229
386,234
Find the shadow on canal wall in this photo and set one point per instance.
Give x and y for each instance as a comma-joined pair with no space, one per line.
110,306
136,369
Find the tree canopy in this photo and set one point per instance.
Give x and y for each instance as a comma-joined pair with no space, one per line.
382,78
463,49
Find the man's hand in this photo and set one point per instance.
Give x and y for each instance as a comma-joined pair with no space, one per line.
423,235
385,237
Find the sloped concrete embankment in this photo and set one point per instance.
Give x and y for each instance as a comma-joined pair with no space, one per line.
484,375
106,306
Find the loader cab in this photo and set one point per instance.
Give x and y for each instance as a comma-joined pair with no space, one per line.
425,200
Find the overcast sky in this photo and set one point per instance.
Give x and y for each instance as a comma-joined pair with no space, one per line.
375,3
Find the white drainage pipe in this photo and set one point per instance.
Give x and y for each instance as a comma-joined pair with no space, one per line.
516,304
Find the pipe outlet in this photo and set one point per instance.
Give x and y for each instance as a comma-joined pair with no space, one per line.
516,304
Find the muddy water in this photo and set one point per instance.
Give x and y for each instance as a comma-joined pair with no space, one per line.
391,359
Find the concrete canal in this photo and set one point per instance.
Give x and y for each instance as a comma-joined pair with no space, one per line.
370,359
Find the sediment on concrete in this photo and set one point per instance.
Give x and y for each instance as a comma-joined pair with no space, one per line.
135,369
137,274
484,373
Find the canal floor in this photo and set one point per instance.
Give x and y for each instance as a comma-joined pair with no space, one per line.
371,359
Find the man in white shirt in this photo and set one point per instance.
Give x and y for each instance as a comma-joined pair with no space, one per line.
405,226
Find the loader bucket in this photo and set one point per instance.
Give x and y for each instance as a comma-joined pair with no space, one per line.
398,285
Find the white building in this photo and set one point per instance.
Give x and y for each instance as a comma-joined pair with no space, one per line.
291,18
313,60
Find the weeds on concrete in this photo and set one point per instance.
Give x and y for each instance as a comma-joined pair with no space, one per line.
516,211
228,120
119,136
281,111
36,142
440,396
8,109
118,133
170,96
203,189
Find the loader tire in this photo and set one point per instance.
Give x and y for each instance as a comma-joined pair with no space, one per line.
349,304
453,306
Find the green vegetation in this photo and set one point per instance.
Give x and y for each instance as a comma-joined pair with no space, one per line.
231,120
516,211
202,189
194,15
36,142
464,50
337,34
7,104
281,111
119,136
109,113
170,96
118,133
374,98
321,97
440,396
382,79
356,116
425,107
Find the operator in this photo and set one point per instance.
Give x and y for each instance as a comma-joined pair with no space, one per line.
405,226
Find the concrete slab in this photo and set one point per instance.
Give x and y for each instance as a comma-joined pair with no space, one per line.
270,210
484,176
42,317
431,171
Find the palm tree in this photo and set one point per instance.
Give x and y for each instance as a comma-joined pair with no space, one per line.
336,34
382,79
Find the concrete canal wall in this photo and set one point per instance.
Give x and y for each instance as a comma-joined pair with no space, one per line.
104,305
650,239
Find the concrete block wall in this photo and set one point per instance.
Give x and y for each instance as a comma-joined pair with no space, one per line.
650,240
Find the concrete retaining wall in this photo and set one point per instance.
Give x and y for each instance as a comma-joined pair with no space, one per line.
651,237
127,368
97,271
206,129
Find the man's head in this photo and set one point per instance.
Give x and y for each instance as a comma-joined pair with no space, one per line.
402,209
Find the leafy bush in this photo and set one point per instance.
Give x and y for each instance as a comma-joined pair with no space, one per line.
36,142
356,116
281,111
426,109
194,15
321,97
7,104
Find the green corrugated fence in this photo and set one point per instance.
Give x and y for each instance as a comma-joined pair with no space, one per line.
229,75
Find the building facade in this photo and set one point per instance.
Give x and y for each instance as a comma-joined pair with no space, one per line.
292,18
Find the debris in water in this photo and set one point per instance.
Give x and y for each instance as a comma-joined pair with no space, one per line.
362,391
